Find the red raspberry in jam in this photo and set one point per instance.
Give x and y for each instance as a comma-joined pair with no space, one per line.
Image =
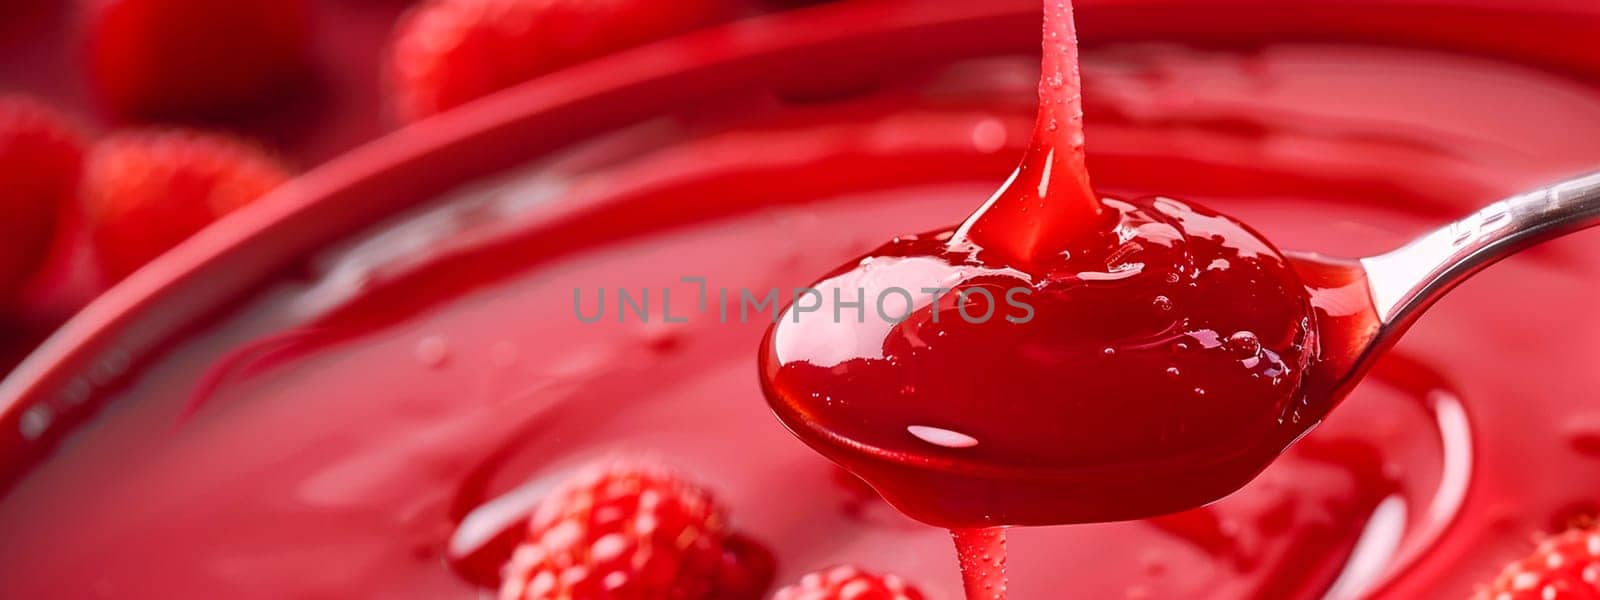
448,52
144,192
848,583
195,57
629,530
1563,567
40,158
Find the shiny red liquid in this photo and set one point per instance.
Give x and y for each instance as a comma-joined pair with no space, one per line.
1156,369
1060,358
370,425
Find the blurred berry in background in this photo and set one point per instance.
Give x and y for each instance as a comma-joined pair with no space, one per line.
447,52
127,126
40,156
182,58
144,192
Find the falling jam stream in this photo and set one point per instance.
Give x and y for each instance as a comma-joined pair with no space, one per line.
1047,201
982,554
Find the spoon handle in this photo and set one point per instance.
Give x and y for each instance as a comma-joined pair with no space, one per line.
1408,280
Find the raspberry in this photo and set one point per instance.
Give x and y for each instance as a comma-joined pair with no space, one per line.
41,155
624,531
1563,567
448,52
848,583
144,192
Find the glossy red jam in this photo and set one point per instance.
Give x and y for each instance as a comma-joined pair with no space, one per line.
1059,357
366,425
1151,368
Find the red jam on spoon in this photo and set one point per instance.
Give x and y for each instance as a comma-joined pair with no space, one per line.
1058,358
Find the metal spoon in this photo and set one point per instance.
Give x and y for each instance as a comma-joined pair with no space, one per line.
1403,283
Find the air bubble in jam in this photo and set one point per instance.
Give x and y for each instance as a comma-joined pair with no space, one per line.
35,421
989,136
432,351
1244,343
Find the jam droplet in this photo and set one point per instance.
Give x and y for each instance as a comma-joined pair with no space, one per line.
432,352
1244,343
989,136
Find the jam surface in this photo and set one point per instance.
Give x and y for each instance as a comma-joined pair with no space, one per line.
1150,369
370,426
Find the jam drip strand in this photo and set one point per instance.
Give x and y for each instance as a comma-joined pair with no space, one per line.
1048,201
982,553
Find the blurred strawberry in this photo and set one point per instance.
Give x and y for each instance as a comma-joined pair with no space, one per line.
633,531
448,52
849,583
1565,566
145,192
41,155
184,58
